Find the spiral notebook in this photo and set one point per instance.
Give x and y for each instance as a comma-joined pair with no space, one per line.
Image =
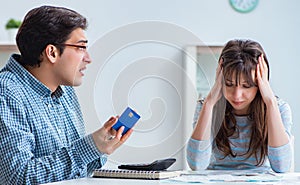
135,174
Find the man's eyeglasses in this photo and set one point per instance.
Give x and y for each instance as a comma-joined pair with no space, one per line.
80,47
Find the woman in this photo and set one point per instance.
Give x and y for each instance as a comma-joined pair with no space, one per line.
254,131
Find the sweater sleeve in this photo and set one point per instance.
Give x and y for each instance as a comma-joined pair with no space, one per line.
198,152
281,157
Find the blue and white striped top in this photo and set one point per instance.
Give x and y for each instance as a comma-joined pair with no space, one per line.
202,155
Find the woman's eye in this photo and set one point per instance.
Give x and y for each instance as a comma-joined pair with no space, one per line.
229,84
247,86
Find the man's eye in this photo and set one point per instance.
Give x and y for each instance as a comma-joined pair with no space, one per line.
83,48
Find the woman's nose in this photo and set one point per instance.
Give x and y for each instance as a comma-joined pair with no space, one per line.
237,92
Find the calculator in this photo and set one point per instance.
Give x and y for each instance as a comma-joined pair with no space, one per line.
157,165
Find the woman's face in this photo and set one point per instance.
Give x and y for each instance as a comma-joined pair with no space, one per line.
239,93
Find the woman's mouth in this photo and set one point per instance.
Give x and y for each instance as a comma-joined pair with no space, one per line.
237,103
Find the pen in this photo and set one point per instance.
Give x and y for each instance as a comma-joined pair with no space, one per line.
250,180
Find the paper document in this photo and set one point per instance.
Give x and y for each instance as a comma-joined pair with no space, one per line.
214,176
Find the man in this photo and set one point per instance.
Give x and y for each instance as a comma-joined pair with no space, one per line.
41,125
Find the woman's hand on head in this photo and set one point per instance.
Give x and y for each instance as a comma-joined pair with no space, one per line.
262,80
216,91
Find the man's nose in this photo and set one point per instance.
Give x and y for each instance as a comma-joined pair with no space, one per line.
87,57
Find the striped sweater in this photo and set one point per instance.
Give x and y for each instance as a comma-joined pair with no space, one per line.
203,155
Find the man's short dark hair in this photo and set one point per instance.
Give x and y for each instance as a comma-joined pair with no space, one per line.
43,26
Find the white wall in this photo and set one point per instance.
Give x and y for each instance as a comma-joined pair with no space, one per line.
275,25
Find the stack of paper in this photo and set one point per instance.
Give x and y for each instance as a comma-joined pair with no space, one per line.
208,176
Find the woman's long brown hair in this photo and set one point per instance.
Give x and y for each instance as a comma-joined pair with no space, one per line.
240,57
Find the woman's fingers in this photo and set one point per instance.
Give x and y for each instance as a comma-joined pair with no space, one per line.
262,68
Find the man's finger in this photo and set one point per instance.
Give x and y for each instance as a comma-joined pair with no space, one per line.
112,120
127,135
119,132
116,140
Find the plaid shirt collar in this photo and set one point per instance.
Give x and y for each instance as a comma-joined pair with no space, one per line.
29,80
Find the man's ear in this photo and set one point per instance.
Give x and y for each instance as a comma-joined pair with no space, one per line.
51,53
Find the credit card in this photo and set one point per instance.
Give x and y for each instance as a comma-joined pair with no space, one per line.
127,119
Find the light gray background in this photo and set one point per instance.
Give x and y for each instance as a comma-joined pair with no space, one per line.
276,25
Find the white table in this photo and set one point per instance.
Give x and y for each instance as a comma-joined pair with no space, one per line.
287,179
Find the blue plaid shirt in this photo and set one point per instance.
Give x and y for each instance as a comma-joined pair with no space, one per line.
42,133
